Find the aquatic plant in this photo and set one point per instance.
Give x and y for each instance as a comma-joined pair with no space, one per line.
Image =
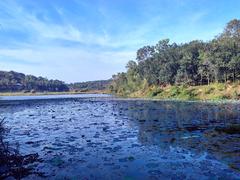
12,163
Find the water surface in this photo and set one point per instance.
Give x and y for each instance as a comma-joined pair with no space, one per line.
101,137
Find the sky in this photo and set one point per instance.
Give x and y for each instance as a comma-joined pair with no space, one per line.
84,40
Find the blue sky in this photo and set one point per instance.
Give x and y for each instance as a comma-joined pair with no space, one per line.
81,40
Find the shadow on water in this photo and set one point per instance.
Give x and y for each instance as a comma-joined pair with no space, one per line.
13,164
199,127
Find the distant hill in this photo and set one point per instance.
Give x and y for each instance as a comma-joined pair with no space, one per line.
16,82
90,85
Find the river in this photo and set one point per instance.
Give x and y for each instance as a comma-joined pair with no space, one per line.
103,137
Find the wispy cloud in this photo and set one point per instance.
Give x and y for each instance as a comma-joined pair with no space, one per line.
84,40
39,32
9,59
71,60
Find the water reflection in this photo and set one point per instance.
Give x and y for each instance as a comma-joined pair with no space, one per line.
180,115
107,138
198,127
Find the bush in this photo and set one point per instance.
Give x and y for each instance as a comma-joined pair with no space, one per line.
209,90
174,91
12,164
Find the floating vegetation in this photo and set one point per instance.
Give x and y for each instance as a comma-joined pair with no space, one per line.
111,138
12,164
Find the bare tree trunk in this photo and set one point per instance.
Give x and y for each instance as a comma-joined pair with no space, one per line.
208,80
234,75
201,78
225,77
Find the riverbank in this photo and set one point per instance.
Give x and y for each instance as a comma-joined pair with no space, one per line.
212,92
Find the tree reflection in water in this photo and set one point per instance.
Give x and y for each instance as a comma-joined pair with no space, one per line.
198,127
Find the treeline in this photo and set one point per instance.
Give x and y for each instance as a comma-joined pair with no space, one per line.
193,63
90,85
15,82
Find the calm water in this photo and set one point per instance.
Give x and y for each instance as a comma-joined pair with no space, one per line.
100,137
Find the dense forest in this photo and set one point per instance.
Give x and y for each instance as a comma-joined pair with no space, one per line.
19,82
15,82
90,85
189,64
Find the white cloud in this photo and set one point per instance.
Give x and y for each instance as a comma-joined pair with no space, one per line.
76,64
129,36
97,53
54,60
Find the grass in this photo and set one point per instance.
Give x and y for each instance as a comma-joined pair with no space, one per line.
215,91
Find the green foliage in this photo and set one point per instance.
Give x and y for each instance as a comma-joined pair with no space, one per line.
174,91
15,82
90,85
191,64
155,92
181,92
209,90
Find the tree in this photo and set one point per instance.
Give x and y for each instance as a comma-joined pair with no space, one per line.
13,82
189,63
232,30
145,53
192,63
